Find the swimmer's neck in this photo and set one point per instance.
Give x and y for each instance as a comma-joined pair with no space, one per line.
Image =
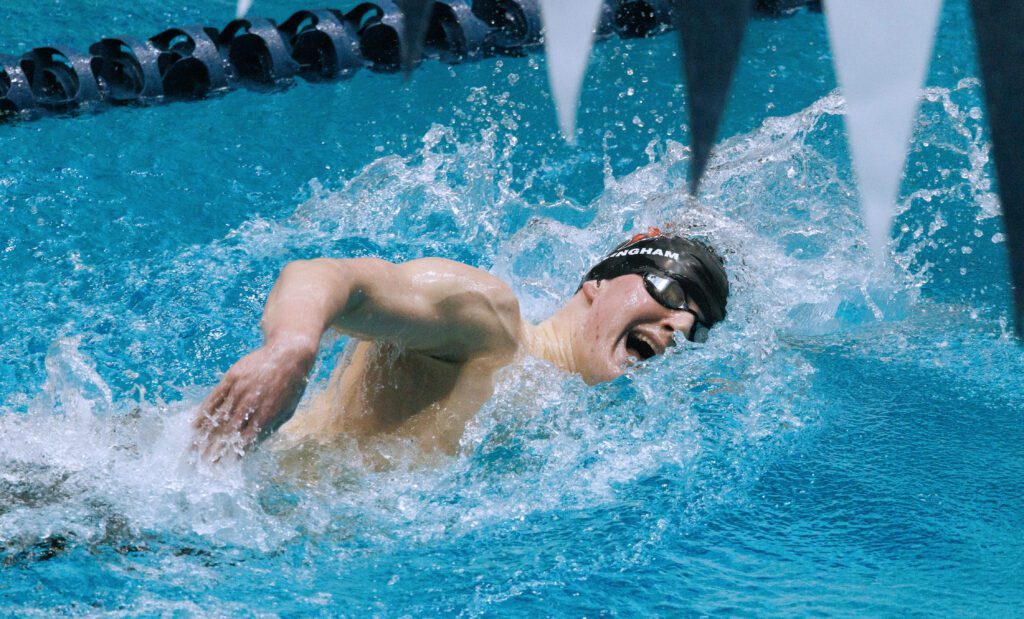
553,341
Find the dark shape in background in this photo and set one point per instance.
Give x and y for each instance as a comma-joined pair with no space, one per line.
710,35
516,26
997,27
641,18
455,33
416,18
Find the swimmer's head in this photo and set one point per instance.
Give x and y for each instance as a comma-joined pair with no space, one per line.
640,295
680,273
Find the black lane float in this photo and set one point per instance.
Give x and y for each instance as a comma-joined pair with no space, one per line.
194,62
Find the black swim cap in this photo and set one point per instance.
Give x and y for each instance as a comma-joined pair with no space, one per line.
696,266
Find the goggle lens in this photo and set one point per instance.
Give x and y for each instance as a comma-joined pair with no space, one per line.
666,291
670,293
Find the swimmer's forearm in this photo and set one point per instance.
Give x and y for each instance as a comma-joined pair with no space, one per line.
261,390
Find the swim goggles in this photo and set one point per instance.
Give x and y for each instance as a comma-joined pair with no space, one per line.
670,293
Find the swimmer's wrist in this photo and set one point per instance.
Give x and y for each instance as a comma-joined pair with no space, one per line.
299,345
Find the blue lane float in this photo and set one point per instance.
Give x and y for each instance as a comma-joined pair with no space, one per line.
516,27
194,62
381,34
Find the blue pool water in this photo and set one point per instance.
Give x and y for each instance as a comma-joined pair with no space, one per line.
847,443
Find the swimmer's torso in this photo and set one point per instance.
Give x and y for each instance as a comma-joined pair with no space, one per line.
383,392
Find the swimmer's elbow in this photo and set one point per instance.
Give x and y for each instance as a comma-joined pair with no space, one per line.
319,290
299,270
334,274
316,267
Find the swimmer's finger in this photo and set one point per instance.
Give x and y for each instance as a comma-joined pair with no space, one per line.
227,429
214,425
203,427
217,420
250,419
205,436
217,444
212,404
217,450
214,451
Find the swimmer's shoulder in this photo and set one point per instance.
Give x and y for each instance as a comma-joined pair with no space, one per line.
474,298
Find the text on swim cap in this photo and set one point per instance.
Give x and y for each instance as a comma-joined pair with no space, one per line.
653,251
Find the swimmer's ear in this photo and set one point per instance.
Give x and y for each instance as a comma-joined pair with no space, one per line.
590,288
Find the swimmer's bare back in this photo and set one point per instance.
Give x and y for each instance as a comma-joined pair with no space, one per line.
431,335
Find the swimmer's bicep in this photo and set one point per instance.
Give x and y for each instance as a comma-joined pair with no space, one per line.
433,305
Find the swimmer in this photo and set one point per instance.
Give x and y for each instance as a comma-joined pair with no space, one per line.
429,335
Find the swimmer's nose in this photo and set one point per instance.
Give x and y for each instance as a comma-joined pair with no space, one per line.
681,322
677,321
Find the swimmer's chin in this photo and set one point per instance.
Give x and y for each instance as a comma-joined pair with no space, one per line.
629,363
613,373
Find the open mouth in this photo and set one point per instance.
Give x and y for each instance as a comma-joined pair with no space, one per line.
638,345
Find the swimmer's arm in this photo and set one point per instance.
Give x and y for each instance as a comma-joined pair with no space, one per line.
440,308
433,306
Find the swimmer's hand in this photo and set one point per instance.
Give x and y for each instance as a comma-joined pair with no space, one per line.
255,397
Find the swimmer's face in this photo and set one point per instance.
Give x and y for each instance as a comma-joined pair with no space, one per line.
624,325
